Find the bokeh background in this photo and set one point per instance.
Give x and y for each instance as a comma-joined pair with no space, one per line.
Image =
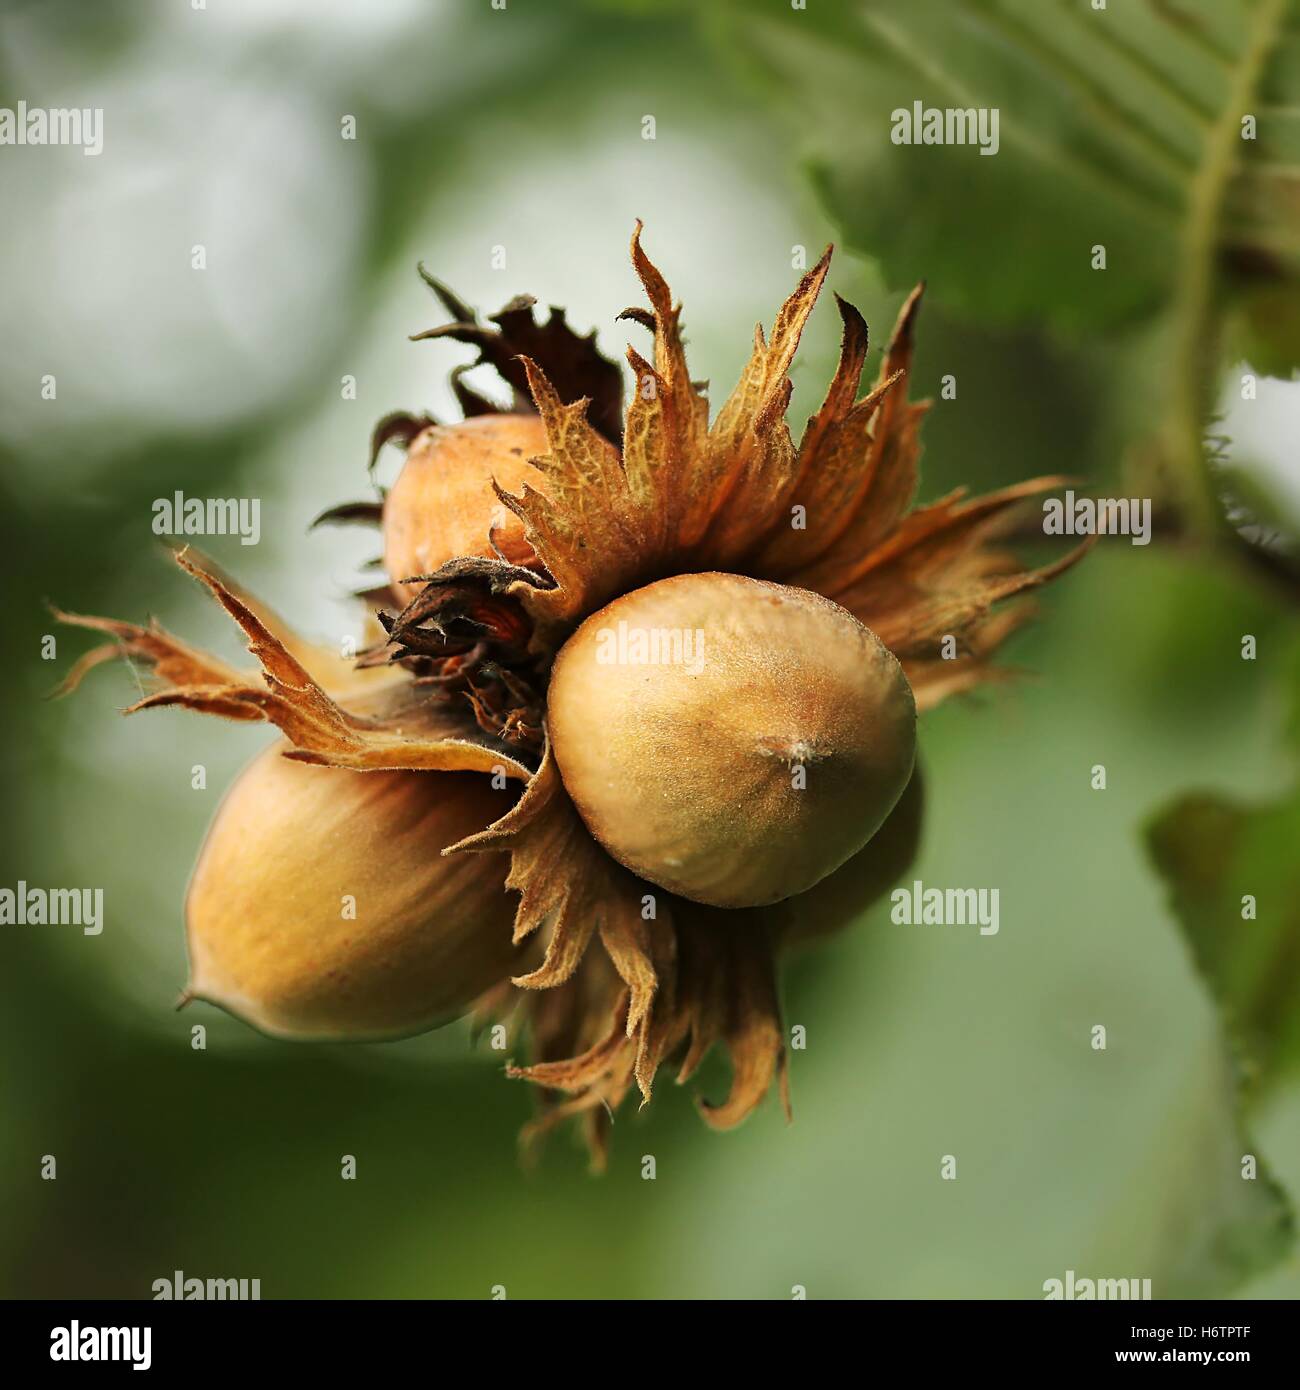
522,128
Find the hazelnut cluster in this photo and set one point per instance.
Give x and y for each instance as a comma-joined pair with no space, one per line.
639,711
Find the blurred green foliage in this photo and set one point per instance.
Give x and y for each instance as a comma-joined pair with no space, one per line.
1234,876
1106,117
1162,136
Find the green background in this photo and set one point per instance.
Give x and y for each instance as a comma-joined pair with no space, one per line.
522,128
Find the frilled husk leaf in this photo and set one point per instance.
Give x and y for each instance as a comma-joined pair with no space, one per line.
714,983
573,362
397,728
684,495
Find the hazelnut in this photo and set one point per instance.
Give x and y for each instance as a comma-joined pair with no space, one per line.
442,505
321,906
731,740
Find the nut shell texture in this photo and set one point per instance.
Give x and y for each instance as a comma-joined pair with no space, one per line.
442,505
765,746
269,935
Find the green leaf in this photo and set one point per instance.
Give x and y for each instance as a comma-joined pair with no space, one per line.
1217,856
1233,875
1119,127
1165,131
